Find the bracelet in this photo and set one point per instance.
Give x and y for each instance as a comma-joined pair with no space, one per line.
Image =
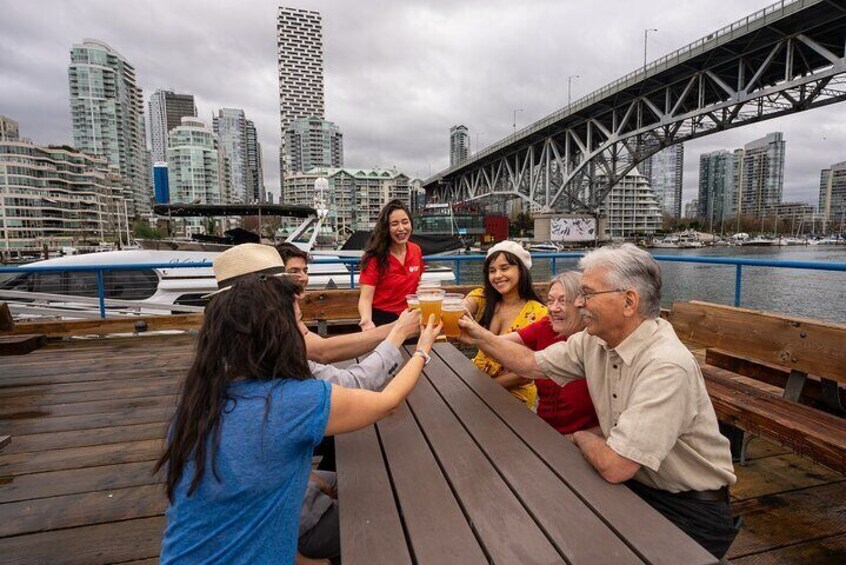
424,355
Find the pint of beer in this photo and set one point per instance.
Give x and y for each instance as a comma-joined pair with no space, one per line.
451,310
430,303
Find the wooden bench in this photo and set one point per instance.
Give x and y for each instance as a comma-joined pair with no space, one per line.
777,377
463,473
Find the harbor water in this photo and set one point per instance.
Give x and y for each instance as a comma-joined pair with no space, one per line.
797,292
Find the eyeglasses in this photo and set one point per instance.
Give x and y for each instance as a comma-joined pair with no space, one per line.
585,295
550,302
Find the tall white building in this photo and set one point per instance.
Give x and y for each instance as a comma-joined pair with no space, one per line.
166,112
631,207
107,112
197,168
237,137
665,173
300,57
761,174
313,142
9,129
459,145
832,204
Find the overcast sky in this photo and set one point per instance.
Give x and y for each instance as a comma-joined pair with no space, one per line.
398,73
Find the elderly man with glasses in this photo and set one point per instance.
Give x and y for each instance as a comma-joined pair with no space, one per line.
657,431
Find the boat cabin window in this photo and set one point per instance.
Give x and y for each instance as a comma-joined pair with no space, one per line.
192,300
124,285
131,285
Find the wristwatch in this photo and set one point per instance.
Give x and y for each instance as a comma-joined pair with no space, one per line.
424,355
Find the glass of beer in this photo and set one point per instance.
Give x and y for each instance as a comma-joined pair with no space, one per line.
412,301
430,303
451,310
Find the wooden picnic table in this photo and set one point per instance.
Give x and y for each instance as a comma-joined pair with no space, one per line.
463,473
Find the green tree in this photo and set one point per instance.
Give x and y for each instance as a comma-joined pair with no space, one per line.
143,230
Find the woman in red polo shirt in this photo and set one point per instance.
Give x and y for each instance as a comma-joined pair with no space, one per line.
392,267
568,408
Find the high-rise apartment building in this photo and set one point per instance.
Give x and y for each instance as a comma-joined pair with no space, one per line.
355,196
9,130
166,112
691,209
197,168
300,58
56,197
459,145
665,173
717,200
832,204
313,142
255,170
107,112
238,139
760,174
631,207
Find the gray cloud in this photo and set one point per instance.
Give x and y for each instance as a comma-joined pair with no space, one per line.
398,74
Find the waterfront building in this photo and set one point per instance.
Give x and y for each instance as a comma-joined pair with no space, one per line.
355,196
832,203
760,174
198,170
665,173
166,112
9,130
107,112
313,142
300,66
57,197
237,137
631,208
717,201
691,209
459,145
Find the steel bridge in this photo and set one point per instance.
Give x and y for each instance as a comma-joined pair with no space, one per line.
786,58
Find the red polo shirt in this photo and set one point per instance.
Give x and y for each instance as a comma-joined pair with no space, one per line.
397,281
566,408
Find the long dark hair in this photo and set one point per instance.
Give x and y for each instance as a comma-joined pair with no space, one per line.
249,332
379,244
492,296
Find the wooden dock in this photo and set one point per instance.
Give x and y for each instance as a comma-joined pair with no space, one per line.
87,417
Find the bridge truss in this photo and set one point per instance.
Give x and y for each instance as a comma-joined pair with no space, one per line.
571,160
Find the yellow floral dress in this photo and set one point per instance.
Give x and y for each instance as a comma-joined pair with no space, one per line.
531,312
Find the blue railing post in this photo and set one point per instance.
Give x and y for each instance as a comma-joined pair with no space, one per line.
352,275
554,270
101,293
737,284
457,271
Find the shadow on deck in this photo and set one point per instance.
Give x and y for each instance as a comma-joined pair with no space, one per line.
87,419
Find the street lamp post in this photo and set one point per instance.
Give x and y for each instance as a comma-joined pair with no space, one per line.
514,121
570,88
645,40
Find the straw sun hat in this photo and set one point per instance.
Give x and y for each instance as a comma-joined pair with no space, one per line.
244,260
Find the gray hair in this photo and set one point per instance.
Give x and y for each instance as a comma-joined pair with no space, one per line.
629,267
570,282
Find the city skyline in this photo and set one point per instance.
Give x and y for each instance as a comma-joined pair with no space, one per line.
395,92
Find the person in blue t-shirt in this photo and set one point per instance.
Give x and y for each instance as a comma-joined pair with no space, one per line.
239,448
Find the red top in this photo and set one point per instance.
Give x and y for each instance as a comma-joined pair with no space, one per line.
566,408
397,281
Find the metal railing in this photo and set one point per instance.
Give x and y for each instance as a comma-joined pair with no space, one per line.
455,260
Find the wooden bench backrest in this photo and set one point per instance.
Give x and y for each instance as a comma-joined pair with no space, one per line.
317,305
817,348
